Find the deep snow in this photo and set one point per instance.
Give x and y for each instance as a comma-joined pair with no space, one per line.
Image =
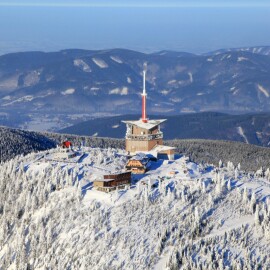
193,217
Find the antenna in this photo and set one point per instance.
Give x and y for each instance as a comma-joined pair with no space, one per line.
144,90
144,119
144,78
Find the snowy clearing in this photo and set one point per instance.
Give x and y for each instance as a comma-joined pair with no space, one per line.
119,91
7,98
100,63
172,81
213,82
165,92
190,77
22,99
27,98
82,65
263,90
241,59
116,59
69,91
240,131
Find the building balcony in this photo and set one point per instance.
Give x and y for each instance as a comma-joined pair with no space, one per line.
145,137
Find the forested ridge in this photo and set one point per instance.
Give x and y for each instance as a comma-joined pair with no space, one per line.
19,142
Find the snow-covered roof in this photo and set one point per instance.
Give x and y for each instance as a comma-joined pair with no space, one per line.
149,125
102,180
103,171
142,157
161,148
139,156
99,176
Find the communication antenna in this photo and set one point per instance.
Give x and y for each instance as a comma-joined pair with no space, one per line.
144,94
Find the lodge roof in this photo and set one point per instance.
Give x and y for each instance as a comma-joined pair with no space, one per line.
148,125
103,180
100,176
142,157
139,156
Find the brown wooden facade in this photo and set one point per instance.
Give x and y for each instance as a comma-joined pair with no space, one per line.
112,181
134,145
146,137
143,131
143,137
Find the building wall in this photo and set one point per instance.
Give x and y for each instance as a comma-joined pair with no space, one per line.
138,170
120,176
98,184
153,143
116,180
139,131
167,154
134,163
113,183
136,166
121,182
154,130
133,146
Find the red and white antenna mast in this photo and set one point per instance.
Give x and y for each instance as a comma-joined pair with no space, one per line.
144,119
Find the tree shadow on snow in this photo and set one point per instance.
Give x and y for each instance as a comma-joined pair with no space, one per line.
156,164
82,158
135,178
87,187
265,198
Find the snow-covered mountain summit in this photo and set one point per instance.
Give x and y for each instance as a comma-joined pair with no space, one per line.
192,216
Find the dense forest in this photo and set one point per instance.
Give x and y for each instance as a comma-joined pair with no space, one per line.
202,218
17,142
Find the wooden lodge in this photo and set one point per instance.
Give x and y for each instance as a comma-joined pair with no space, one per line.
138,164
110,182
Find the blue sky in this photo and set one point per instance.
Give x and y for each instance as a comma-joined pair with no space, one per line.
194,26
138,3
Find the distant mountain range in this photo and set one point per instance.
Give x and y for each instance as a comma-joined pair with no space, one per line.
263,50
249,128
106,82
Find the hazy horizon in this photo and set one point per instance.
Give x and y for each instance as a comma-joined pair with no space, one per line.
147,26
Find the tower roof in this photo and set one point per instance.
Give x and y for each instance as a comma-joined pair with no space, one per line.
148,125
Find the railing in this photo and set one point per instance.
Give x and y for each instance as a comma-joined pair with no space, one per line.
147,137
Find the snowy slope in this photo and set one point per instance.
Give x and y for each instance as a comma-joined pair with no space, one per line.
199,217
